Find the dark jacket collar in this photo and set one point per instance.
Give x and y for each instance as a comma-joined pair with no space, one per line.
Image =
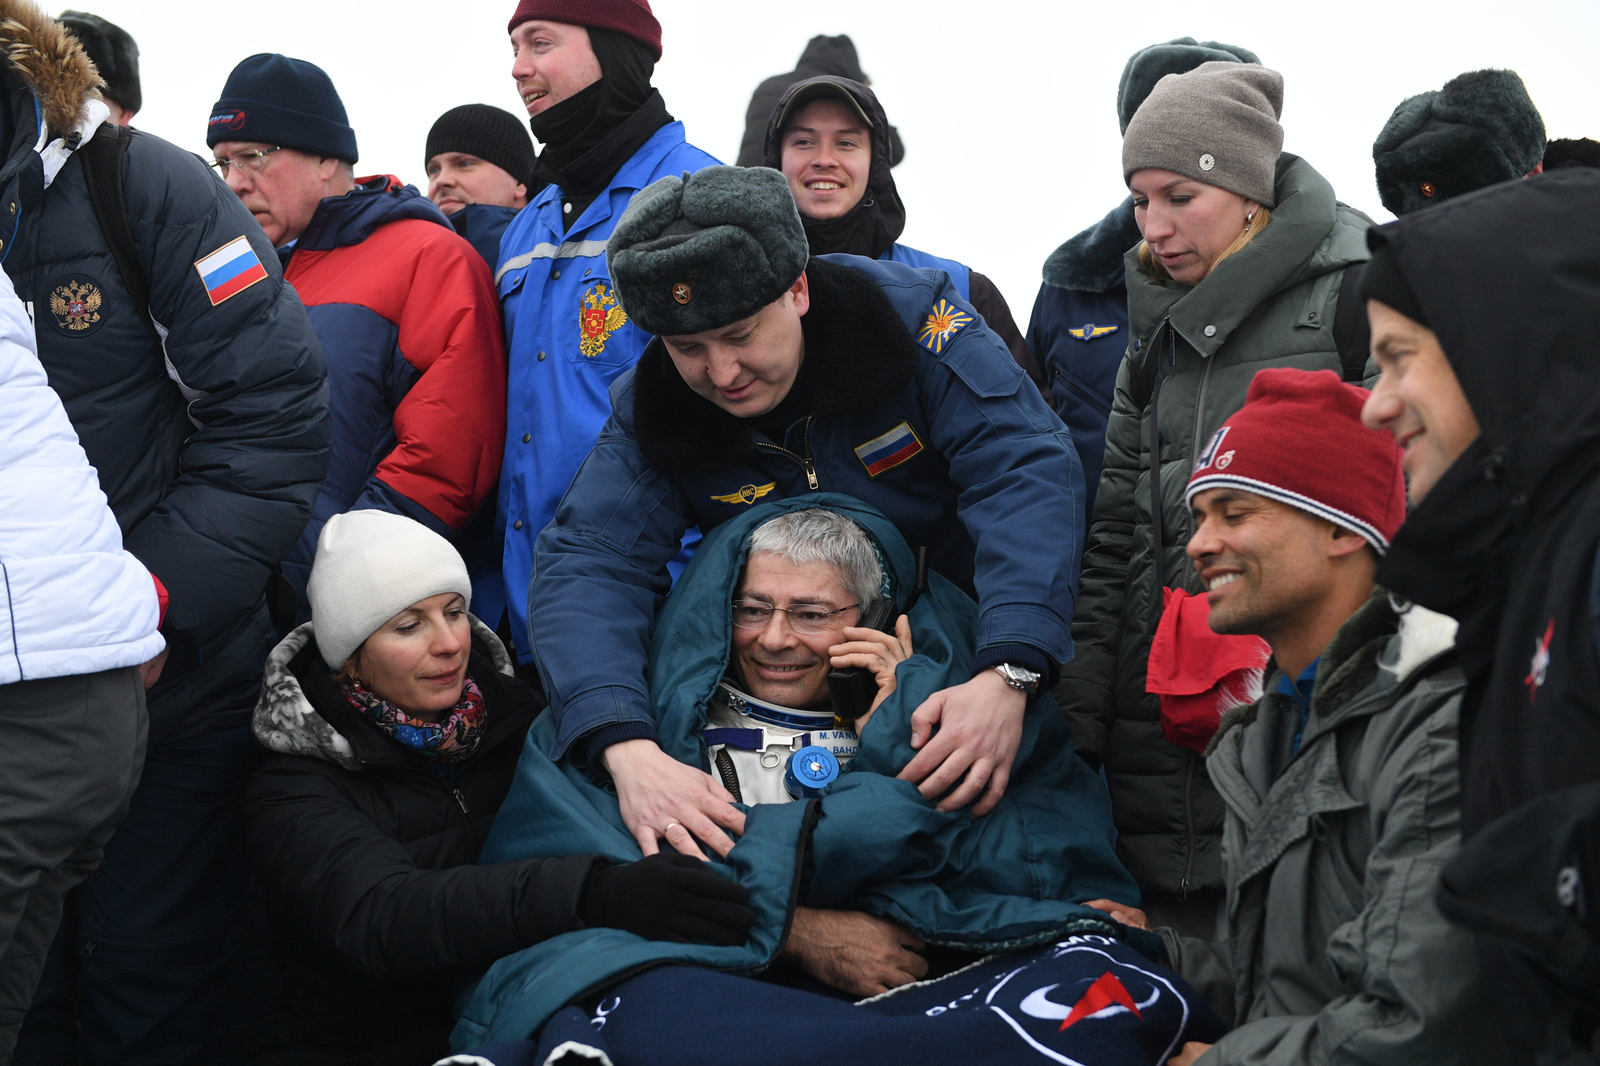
858,353
1092,261
352,218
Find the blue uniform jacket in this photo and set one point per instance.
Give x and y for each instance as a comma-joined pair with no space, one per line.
960,273
1018,876
918,409
568,341
1079,332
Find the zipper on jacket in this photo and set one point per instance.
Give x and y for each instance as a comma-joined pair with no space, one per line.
806,462
1200,405
1188,828
461,801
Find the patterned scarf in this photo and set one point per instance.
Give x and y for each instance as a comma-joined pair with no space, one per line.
451,740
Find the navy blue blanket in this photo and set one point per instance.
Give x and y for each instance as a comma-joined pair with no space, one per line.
1084,1001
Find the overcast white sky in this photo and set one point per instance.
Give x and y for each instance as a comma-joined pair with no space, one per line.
1007,107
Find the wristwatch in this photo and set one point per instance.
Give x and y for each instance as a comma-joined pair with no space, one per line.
1018,678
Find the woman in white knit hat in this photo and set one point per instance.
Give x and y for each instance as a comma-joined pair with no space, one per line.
1240,268
395,723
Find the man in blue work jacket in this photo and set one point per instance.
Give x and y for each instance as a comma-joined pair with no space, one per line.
775,375
583,71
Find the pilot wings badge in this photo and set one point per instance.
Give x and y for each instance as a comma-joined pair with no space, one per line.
1089,331
598,318
748,494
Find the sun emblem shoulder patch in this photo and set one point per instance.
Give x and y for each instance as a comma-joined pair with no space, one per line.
888,450
943,323
747,494
75,305
598,318
1089,331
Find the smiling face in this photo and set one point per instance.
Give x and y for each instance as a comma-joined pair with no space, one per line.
285,193
1266,566
552,62
456,179
747,368
775,663
1417,398
417,660
1186,223
827,156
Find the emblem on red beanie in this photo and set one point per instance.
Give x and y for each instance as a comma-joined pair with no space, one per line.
1299,440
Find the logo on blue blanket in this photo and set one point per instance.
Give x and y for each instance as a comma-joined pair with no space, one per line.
1069,1001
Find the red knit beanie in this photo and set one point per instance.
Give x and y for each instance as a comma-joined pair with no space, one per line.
632,18
1299,440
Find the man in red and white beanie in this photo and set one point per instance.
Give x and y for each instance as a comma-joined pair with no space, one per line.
1341,782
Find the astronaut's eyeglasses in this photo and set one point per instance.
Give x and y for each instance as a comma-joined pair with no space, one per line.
810,618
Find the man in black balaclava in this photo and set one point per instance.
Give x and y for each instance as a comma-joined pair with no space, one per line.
830,138
1484,314
583,71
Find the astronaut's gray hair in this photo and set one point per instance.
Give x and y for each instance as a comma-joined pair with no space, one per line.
818,536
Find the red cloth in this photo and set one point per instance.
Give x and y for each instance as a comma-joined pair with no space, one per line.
630,17
1199,674
161,596
1299,440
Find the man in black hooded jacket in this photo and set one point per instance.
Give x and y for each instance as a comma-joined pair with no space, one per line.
1485,313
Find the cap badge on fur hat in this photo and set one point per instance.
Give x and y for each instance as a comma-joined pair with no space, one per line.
1299,440
731,234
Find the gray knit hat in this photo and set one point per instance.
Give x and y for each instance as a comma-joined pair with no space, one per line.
1217,124
703,251
1179,56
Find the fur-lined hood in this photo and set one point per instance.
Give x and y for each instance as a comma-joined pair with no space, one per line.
285,721
50,60
1092,260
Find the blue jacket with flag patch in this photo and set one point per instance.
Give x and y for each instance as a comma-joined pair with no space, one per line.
1016,877
568,341
917,409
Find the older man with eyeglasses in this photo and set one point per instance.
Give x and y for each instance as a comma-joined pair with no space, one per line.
403,306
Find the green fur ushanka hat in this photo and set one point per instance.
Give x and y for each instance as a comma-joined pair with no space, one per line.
1149,65
706,250
1479,130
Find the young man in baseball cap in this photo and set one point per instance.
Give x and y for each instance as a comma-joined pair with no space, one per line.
1341,782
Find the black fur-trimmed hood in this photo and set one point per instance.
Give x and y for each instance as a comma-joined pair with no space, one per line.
858,352
1092,261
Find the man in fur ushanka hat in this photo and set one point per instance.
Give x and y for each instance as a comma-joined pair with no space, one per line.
775,373
1345,772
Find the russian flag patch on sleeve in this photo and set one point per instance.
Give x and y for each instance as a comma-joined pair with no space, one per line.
889,450
230,270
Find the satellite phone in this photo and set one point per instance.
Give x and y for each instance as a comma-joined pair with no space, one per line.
853,688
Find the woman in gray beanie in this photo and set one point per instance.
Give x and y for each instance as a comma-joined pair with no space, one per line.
1240,268
394,725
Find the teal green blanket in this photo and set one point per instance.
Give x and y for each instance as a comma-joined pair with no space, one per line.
1011,879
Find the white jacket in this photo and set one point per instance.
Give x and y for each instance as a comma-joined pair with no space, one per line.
72,601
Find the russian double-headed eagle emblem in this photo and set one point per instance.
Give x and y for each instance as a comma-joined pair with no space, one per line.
76,305
598,319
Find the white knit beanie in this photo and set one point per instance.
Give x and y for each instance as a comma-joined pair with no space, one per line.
370,566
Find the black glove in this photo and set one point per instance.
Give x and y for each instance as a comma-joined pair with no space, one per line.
668,897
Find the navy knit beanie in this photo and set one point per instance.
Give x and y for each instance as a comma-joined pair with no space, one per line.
272,99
